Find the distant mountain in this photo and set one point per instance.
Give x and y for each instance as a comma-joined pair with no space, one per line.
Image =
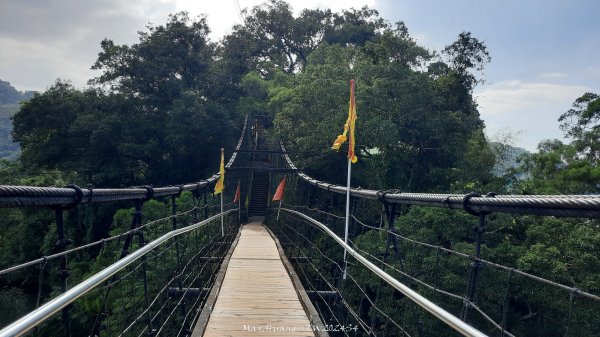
506,157
9,105
10,95
8,149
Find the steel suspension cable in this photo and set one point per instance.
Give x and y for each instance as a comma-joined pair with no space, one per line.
584,206
451,320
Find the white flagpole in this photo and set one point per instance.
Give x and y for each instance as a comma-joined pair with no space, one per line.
279,210
347,215
222,227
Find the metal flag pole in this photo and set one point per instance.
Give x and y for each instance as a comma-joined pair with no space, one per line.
347,215
222,180
348,130
279,210
222,216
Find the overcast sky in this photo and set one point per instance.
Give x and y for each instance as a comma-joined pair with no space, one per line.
545,53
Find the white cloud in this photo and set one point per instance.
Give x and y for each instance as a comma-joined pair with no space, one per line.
62,39
21,63
553,75
422,39
45,40
533,107
222,15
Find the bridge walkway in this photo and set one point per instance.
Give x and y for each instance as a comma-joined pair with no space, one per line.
257,296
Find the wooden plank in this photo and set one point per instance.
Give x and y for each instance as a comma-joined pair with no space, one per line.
257,297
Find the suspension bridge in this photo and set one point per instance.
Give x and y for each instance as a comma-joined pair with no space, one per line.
255,269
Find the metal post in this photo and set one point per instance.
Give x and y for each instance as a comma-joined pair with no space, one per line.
63,273
222,216
137,219
476,265
347,215
391,213
174,222
205,205
392,240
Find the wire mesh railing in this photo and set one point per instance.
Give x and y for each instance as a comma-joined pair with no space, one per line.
177,275
489,261
159,288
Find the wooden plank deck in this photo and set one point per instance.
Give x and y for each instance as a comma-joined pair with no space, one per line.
257,297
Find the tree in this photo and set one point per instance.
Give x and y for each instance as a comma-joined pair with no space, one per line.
557,168
567,168
465,55
412,136
165,106
272,38
42,126
167,60
355,27
582,124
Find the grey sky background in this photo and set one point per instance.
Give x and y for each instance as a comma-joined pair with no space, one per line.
545,53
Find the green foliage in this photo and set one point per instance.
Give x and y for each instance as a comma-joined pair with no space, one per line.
560,168
417,137
465,55
8,149
162,107
167,61
24,231
161,114
581,123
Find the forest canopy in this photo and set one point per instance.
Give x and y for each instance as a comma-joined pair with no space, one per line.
161,108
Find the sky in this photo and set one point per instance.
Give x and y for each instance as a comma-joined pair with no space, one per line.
545,53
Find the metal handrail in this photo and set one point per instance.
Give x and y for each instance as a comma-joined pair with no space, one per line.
36,317
446,317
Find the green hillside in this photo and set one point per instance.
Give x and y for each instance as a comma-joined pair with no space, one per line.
8,149
10,95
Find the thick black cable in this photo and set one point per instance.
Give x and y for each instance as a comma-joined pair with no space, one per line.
585,206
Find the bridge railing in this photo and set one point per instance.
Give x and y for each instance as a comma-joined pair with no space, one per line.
140,296
463,263
158,288
176,273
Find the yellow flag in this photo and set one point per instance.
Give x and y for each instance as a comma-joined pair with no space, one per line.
221,182
349,127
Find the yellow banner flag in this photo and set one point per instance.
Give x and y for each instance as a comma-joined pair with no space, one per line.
221,182
349,127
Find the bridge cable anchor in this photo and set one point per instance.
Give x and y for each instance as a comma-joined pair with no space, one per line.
150,193
476,265
62,243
